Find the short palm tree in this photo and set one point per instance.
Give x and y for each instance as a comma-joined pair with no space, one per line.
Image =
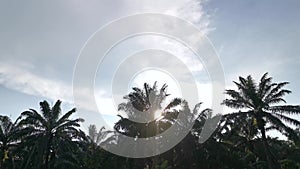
51,134
260,102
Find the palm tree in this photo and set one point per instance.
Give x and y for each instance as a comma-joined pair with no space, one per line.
148,101
51,134
151,100
95,137
93,154
9,139
260,102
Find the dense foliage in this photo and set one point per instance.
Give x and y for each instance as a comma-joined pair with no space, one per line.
49,139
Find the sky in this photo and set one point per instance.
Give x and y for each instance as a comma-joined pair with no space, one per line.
40,42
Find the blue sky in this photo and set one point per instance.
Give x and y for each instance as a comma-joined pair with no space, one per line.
40,42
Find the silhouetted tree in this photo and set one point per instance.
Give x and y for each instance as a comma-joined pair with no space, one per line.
259,102
53,137
10,135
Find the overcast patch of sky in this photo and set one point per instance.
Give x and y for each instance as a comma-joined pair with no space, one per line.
50,34
252,37
41,40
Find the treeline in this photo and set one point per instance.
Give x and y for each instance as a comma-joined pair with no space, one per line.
51,139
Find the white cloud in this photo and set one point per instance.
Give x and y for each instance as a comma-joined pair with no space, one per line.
191,10
22,80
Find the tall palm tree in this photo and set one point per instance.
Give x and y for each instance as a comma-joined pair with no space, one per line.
260,102
9,139
51,133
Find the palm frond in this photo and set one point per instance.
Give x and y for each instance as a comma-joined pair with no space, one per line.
234,104
56,110
173,103
32,117
45,109
275,89
287,109
66,116
275,100
263,85
275,121
288,119
238,97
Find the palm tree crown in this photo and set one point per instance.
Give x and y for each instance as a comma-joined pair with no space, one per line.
50,132
148,100
10,135
260,103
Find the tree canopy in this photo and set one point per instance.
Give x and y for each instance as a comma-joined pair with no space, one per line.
52,139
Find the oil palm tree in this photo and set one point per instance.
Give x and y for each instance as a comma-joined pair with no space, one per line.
152,100
147,101
261,103
52,135
9,139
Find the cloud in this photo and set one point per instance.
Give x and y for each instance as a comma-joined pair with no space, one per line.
191,10
37,44
22,80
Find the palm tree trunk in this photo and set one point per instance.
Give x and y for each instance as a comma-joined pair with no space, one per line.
48,147
1,160
272,163
13,163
